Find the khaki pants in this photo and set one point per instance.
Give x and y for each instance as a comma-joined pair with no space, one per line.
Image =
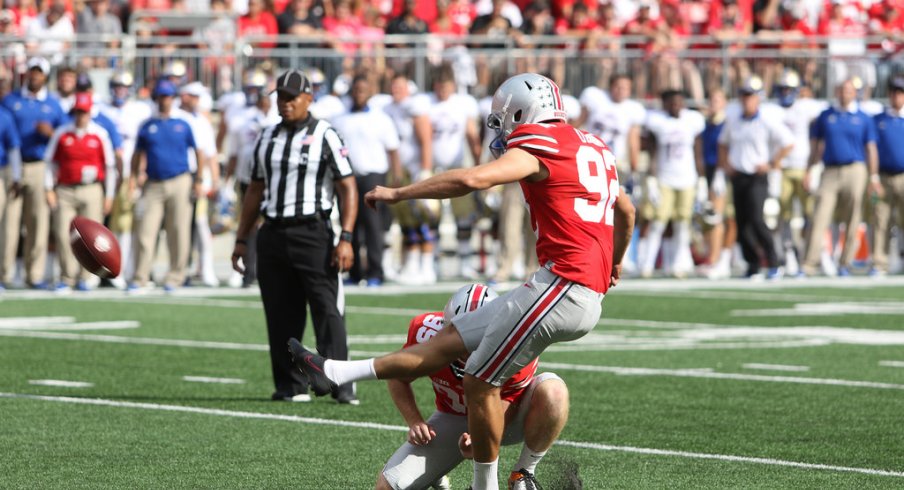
793,190
842,188
515,234
29,206
167,203
77,200
675,204
888,209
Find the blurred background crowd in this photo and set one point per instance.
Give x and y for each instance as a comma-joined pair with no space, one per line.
658,81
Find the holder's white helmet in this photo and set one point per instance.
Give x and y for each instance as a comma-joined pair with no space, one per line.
524,98
467,298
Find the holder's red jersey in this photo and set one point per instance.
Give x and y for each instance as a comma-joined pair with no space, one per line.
572,210
450,392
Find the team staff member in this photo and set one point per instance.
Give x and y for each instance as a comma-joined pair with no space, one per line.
81,181
10,167
890,131
297,166
160,169
844,137
746,155
373,145
36,113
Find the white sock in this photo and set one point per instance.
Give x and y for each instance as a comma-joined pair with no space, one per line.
341,372
654,239
528,459
485,476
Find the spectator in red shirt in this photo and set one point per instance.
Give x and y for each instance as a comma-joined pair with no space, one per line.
258,22
672,72
407,22
453,18
728,23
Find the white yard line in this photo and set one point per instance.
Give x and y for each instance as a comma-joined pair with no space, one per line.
60,383
394,428
897,364
693,373
696,373
775,367
730,458
206,379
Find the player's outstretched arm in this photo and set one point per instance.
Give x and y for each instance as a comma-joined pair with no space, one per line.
419,433
513,166
624,228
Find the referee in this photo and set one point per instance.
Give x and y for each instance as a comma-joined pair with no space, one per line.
297,166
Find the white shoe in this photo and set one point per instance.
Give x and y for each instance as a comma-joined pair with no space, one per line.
235,280
211,282
119,283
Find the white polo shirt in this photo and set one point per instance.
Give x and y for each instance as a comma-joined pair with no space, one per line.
676,166
243,131
752,141
368,135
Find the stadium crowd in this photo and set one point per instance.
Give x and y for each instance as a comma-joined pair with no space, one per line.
663,122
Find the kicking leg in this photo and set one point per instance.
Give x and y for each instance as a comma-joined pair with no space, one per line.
415,361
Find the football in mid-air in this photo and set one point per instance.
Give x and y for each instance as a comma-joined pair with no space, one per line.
95,247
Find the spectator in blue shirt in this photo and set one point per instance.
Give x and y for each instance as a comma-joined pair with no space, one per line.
37,114
844,137
160,170
10,169
890,206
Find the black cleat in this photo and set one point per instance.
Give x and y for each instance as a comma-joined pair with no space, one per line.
312,366
523,479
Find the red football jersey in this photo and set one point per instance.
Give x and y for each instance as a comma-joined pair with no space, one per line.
450,392
572,210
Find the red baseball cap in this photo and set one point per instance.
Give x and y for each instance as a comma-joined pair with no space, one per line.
83,102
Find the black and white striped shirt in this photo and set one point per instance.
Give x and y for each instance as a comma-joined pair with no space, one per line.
298,164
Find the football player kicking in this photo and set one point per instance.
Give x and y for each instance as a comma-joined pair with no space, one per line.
583,220
535,407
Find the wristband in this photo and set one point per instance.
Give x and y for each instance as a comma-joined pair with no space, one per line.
874,178
345,236
241,241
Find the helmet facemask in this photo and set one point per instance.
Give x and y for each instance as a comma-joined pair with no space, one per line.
525,98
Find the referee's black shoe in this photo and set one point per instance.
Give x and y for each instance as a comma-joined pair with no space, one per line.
312,366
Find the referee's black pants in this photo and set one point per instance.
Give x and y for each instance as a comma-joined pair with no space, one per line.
370,224
750,192
293,270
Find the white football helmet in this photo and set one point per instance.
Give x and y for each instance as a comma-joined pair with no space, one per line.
524,98
468,298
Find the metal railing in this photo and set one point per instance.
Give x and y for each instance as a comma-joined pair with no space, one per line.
480,61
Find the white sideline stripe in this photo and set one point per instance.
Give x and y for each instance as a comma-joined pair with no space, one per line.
395,428
775,367
205,379
695,373
730,458
831,309
60,383
898,364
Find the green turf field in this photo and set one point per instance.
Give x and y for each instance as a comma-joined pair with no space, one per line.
682,385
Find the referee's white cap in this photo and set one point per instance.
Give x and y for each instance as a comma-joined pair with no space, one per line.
294,83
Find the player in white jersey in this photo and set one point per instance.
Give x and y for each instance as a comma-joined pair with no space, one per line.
245,128
127,114
797,113
202,238
455,128
674,173
617,120
410,112
335,103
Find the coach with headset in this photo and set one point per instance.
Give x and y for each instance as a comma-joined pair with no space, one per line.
297,165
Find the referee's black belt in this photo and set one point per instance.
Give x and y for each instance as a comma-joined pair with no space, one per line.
295,220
